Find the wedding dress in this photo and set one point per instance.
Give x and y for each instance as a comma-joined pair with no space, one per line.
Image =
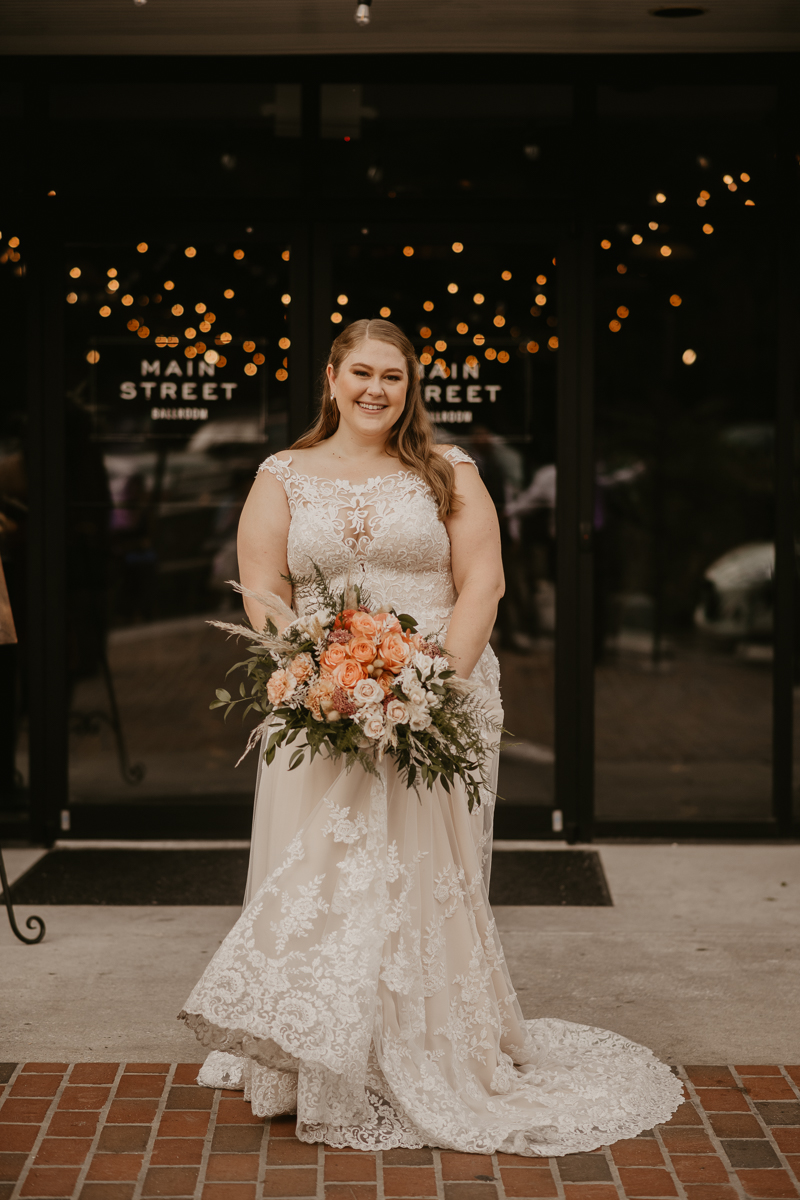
364,985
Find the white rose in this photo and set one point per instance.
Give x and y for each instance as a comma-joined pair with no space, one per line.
367,691
423,662
397,712
419,717
416,694
372,722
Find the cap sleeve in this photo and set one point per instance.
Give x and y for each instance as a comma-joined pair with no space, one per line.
456,455
280,467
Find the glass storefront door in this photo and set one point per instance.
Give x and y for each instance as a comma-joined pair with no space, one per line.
178,374
481,310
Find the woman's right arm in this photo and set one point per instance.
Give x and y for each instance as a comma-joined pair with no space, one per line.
261,544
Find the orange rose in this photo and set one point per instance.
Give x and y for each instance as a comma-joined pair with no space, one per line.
332,656
344,618
363,625
394,651
348,673
361,650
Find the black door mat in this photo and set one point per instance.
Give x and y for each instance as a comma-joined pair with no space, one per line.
164,877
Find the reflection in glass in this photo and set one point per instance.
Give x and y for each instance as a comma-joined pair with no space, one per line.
490,394
684,508
163,442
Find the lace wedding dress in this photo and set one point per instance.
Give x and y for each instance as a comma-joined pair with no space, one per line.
364,985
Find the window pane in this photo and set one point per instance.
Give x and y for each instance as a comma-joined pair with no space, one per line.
685,449
178,365
481,312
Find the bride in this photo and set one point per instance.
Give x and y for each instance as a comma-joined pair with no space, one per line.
364,985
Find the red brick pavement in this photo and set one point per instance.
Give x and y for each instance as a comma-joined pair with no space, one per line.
146,1131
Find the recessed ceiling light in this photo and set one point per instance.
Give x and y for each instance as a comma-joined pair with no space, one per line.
676,12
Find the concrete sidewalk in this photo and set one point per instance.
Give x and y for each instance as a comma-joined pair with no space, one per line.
698,959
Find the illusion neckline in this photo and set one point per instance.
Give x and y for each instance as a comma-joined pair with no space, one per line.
287,462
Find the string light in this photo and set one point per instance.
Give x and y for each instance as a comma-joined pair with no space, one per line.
425,332
211,357
441,345
190,333
425,359
750,203
408,251
503,356
541,299
653,225
238,254
248,347
143,331
532,347
284,343
222,361
75,273
285,255
660,198
452,288
499,321
190,352
111,272
105,311
666,251
462,328
479,339
727,179
112,285
675,301
745,178
471,360
622,269
199,308
285,298
490,353
457,247
14,242
605,244
168,285
190,252
228,293
93,356
541,280
708,229
688,357
637,239
177,309
623,312
250,368
615,326
428,305
553,343
281,374
336,317
478,298
505,275
133,324
259,359
342,299
72,297
385,312
142,247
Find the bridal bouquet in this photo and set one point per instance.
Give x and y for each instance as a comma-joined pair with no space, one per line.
360,683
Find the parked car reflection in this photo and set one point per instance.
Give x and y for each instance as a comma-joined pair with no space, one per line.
737,594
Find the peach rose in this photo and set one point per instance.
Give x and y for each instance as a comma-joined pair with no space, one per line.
361,649
416,640
394,651
387,682
348,673
333,656
301,666
280,687
344,618
391,624
363,625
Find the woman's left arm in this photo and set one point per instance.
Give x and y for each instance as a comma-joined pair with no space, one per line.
477,570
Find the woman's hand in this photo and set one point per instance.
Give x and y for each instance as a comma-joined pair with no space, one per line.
261,544
477,566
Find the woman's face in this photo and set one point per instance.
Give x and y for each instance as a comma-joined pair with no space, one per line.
370,388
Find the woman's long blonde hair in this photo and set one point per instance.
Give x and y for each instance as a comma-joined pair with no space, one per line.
411,437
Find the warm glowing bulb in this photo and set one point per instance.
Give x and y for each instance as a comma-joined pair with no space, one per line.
408,251
168,285
491,353
142,247
745,178
285,255
708,229
727,179
211,357
452,288
190,333
503,356
336,317
541,299
75,273
286,298
505,275
199,308
105,311
479,339
385,312
284,343
342,299
177,310
553,343
441,345
238,254
532,347
675,301
190,252
458,247
112,285
250,368
689,356
499,321
281,374
93,356
228,293
428,306
478,298
605,244
615,326
71,297
637,239
462,327
623,312
666,251
660,197
111,273
425,332
653,225
541,280
621,269
248,347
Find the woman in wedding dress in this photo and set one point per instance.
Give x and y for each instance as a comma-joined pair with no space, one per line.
364,986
